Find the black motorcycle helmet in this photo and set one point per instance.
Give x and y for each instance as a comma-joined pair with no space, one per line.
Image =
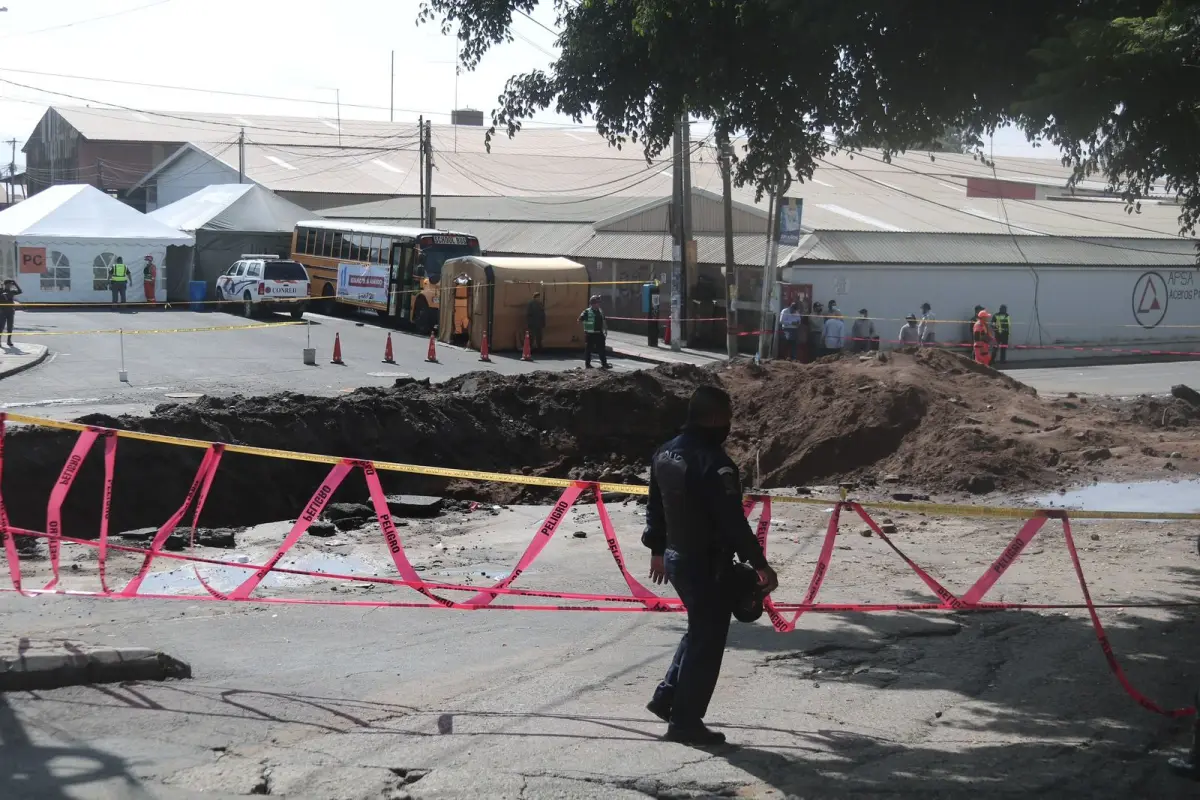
745,593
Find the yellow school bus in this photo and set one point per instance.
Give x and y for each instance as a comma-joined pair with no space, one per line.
394,270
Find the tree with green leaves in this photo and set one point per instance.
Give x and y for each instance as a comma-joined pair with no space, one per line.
1110,82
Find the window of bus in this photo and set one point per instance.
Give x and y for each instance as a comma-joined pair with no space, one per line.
434,255
323,243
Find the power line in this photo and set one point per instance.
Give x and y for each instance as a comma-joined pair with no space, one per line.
540,24
79,22
249,95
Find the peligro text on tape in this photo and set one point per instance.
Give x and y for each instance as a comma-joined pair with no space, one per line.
933,509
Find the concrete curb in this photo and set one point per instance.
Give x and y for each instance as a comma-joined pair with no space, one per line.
59,664
10,371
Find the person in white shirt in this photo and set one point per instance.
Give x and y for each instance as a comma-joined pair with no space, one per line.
834,335
927,324
789,325
910,334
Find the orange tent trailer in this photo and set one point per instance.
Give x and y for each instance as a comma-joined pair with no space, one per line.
485,293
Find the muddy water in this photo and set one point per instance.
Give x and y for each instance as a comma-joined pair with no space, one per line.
1181,496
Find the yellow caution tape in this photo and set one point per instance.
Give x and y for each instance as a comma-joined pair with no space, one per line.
131,332
932,509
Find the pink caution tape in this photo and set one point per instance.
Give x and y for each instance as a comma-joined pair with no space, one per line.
211,458
545,533
652,601
641,599
110,469
948,599
391,538
10,545
59,493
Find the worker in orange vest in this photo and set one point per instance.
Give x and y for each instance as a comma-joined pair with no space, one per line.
981,333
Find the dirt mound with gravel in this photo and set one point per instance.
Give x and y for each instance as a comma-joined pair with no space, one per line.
929,419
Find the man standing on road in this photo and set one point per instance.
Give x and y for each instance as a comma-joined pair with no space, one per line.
834,334
595,326
149,276
789,327
928,321
910,334
118,281
1003,325
8,309
694,527
535,319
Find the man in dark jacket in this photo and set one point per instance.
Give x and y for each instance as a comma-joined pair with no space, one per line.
694,527
535,319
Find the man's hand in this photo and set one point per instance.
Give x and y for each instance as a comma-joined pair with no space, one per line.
768,580
658,569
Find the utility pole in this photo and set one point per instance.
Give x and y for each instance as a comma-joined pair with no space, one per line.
677,236
430,220
242,156
688,254
11,194
421,164
766,324
392,93
731,278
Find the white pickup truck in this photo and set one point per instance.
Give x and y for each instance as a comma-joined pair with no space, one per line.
264,283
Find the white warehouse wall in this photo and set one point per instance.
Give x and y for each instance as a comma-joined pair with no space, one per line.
1075,306
191,173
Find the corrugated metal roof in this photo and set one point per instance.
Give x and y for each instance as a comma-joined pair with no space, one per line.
496,209
524,175
853,247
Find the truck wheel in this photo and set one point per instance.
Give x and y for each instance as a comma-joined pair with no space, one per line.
248,306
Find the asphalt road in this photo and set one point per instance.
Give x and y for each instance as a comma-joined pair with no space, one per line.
345,703
81,375
1121,380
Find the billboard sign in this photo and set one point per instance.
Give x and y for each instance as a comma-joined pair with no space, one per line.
363,283
791,210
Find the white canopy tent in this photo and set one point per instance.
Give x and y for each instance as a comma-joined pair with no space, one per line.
67,237
229,220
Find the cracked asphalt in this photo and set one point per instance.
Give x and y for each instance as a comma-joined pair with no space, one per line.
348,703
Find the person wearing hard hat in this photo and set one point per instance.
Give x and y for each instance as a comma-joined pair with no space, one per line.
595,327
149,276
981,335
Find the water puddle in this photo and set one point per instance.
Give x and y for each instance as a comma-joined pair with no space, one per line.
1181,496
182,580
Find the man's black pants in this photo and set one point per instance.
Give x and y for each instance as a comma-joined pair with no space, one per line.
7,316
535,338
593,343
1002,349
692,677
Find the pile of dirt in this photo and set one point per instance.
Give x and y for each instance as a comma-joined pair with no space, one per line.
584,425
929,419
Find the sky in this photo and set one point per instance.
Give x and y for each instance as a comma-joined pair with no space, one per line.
313,52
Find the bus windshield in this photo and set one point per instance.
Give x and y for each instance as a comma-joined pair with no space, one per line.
435,252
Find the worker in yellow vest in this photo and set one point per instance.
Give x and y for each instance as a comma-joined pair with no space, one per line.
149,276
1003,324
118,281
595,326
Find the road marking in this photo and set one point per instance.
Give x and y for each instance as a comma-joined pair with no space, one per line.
184,395
389,375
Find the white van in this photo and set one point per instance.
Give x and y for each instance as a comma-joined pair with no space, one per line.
265,283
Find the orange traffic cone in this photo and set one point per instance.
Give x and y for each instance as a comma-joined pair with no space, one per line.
527,351
483,350
337,350
387,351
432,357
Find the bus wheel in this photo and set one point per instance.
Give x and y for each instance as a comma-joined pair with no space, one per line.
328,304
421,317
